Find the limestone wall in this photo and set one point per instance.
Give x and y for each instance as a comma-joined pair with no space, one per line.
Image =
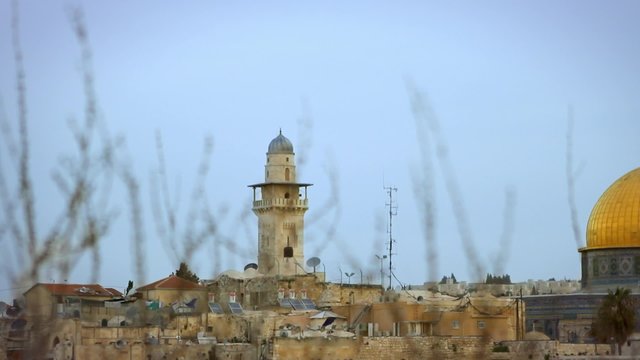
337,294
382,348
226,327
315,348
157,352
391,348
539,349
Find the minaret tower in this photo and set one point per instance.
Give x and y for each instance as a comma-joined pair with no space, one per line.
280,203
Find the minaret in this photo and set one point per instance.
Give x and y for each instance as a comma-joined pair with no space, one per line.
280,206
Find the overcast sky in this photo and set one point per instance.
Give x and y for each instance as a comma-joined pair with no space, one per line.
499,75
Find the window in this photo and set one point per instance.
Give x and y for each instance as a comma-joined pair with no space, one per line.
455,324
481,324
287,159
286,174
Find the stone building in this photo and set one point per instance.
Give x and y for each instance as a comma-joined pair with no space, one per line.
178,291
612,256
280,203
67,300
254,291
438,315
257,313
610,259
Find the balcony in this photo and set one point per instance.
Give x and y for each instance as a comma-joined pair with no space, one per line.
281,203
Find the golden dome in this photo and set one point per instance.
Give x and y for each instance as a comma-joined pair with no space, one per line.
615,219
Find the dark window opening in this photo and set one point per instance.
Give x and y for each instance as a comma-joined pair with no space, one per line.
288,252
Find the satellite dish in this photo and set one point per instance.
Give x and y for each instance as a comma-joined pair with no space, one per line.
253,266
313,262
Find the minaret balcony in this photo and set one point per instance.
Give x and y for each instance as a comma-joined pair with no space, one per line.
281,203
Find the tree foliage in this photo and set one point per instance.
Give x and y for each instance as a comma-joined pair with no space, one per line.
498,279
185,273
445,278
615,320
129,288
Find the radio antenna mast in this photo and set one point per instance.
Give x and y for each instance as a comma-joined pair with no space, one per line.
393,211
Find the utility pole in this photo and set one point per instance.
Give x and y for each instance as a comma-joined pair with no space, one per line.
393,211
381,258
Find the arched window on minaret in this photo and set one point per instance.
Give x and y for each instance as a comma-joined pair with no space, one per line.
286,174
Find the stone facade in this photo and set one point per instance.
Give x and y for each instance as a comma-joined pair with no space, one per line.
496,318
382,348
263,292
280,204
530,287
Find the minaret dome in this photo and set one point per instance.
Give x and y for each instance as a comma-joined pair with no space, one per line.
280,145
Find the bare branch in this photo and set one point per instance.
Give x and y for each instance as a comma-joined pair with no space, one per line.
424,182
507,231
305,140
571,178
26,188
442,154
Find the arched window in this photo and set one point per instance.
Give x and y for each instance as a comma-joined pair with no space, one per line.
286,195
286,174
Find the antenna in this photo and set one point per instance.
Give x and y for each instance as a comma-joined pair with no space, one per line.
393,211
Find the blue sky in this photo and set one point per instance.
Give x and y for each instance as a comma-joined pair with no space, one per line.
499,75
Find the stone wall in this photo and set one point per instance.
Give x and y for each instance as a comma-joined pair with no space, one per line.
391,348
382,348
226,327
342,294
315,348
157,352
541,287
262,291
534,350
539,349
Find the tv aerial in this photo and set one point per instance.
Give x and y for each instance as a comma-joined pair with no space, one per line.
313,262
